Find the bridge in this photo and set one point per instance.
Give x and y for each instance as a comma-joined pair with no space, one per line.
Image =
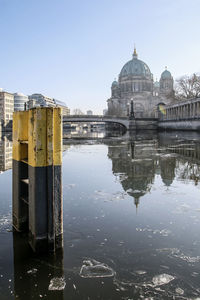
142,123
96,118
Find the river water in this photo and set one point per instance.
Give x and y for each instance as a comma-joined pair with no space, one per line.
131,223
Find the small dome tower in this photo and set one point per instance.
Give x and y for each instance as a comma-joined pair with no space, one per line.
166,82
115,89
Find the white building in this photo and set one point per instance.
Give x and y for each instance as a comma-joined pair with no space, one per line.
19,101
6,109
36,100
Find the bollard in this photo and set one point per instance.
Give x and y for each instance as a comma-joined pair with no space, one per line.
37,177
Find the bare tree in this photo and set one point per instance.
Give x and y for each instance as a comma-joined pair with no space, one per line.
187,87
77,111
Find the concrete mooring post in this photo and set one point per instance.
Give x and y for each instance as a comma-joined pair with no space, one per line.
37,177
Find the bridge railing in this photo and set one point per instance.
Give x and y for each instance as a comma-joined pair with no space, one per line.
93,117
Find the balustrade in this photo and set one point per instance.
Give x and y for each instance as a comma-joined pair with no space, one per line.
181,111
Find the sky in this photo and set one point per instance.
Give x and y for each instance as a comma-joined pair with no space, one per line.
73,50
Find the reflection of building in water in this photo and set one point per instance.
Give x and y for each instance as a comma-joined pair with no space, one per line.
84,130
167,168
135,164
5,154
187,161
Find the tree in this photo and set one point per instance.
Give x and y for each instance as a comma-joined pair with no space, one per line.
187,87
77,111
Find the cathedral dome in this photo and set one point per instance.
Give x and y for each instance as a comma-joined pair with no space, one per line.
115,83
166,75
136,67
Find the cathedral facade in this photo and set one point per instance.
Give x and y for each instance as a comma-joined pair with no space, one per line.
135,83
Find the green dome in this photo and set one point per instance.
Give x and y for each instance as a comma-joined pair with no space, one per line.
115,83
166,75
135,67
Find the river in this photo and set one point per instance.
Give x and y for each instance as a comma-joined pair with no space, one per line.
131,223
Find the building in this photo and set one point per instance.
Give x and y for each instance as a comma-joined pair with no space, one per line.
19,101
105,111
89,112
36,100
5,154
63,106
135,83
6,109
40,100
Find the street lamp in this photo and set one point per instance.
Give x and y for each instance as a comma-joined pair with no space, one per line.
128,109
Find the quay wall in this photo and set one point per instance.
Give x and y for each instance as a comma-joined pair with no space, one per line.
179,125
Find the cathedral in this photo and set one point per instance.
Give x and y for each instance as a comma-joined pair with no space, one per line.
135,83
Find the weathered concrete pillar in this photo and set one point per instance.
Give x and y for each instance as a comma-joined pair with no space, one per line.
190,110
43,141
187,110
198,108
45,188
167,113
195,106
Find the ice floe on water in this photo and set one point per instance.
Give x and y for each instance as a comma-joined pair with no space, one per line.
140,272
57,284
92,268
179,291
162,279
110,197
70,185
162,232
5,222
174,252
184,208
32,271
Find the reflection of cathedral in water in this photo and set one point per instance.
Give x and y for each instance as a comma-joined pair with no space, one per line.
5,154
135,163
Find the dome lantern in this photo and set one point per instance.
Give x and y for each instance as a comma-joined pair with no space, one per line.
135,55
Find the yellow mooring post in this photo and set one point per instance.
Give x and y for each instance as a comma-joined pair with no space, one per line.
37,177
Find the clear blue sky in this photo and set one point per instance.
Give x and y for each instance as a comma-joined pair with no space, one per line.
73,50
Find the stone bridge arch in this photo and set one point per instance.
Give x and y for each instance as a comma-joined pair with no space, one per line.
96,118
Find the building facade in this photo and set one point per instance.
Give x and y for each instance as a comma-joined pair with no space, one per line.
6,109
89,112
37,100
40,100
20,101
63,106
135,83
